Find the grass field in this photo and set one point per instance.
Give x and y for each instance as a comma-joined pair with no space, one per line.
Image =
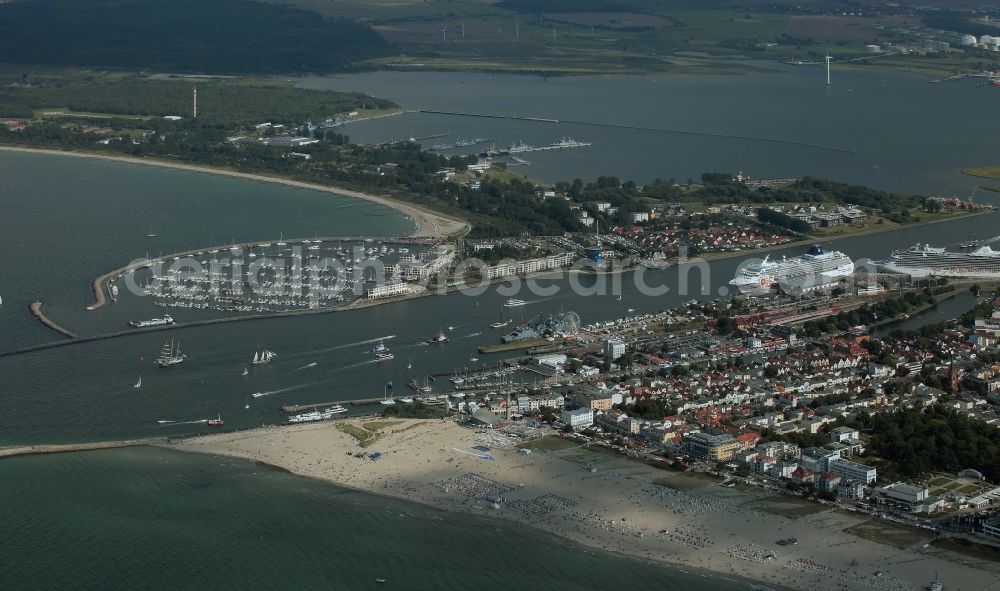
375,426
967,548
685,481
27,92
364,436
637,38
892,534
986,172
787,506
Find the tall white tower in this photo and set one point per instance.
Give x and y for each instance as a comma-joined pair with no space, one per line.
194,102
828,69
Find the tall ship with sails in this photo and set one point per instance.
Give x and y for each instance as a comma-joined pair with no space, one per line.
170,354
924,260
815,269
262,357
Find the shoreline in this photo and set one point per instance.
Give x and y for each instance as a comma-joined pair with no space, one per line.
704,572
822,239
427,222
602,501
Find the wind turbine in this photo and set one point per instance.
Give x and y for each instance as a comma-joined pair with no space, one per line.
444,34
828,69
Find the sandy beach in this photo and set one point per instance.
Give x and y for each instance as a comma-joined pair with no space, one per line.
607,502
428,223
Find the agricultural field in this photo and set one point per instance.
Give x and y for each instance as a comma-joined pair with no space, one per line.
843,29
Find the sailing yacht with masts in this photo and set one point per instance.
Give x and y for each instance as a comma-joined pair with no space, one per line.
500,323
170,354
262,357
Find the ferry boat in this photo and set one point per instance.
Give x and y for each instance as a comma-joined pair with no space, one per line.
379,348
165,320
217,421
923,260
262,357
170,354
513,302
817,267
383,357
440,337
317,415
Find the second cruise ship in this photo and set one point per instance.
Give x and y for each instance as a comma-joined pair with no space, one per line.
923,260
813,270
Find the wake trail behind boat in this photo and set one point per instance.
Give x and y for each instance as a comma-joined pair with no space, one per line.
349,345
313,364
166,422
283,390
315,383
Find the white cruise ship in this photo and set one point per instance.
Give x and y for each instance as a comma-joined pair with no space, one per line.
923,260
815,269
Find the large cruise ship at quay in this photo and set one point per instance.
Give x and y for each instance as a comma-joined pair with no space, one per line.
923,260
814,270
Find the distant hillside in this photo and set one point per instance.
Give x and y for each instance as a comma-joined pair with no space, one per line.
643,6
217,36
